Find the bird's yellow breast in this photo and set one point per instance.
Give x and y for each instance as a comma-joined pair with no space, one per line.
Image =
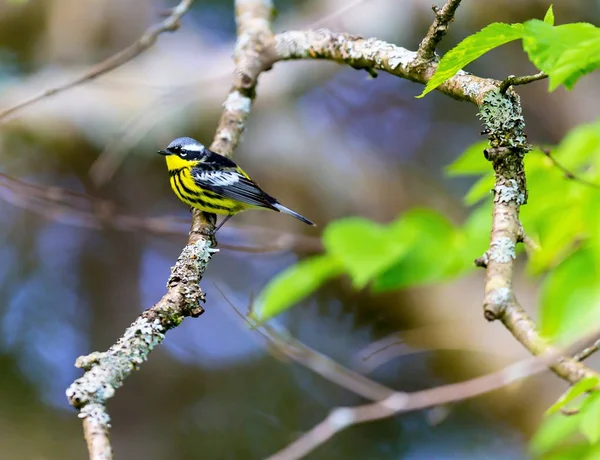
188,191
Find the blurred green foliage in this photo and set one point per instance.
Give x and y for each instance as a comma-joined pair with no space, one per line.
565,52
422,246
564,219
583,386
419,247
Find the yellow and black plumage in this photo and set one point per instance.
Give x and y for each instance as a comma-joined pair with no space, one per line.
213,183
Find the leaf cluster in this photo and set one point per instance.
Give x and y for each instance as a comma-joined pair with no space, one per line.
419,247
565,53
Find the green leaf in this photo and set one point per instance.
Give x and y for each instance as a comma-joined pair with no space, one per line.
366,248
590,421
554,431
549,17
564,52
583,386
296,283
471,162
591,212
575,63
471,48
570,297
434,254
480,189
559,200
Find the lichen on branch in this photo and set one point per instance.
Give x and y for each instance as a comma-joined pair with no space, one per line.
505,127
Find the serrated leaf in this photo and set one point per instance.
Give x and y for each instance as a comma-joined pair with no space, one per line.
471,162
564,52
549,16
296,283
366,248
472,47
435,253
590,420
584,385
574,63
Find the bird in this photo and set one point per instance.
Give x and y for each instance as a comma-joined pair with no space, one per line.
213,183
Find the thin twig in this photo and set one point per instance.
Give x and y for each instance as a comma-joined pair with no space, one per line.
587,352
320,364
522,237
512,80
343,417
443,17
66,206
170,24
109,160
567,172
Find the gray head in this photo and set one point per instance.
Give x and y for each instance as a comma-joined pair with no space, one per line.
186,148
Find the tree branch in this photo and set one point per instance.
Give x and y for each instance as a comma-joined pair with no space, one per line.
256,51
387,401
170,24
399,402
512,80
106,371
443,17
504,123
364,53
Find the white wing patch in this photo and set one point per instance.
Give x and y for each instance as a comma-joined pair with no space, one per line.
219,178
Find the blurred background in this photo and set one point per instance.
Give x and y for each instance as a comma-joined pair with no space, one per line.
329,142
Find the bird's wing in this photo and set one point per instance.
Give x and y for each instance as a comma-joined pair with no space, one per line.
230,183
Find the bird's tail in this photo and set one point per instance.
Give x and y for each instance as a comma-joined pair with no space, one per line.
282,208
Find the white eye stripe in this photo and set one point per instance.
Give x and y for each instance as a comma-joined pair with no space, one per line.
193,147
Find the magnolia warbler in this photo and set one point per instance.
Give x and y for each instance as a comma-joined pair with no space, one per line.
213,183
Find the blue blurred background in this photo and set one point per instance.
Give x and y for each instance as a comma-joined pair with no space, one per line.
329,142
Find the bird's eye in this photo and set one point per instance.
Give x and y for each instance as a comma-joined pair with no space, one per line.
183,154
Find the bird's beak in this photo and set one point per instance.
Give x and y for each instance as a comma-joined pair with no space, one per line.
164,152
